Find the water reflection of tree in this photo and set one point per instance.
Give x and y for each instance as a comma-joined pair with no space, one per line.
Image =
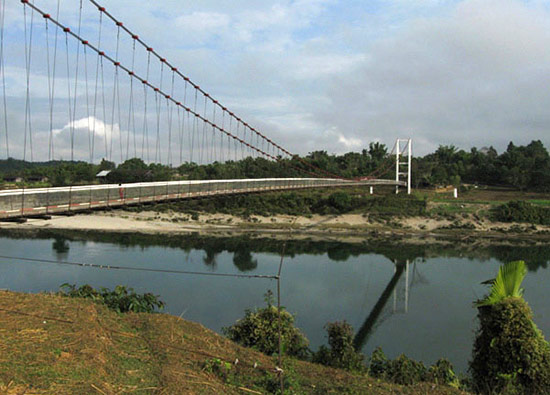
242,259
61,247
535,256
211,254
340,252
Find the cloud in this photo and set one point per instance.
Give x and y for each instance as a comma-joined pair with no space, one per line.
202,25
94,125
350,143
317,74
475,77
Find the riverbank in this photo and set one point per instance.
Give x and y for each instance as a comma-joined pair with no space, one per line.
52,344
345,227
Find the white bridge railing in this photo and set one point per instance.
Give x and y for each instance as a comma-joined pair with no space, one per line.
39,201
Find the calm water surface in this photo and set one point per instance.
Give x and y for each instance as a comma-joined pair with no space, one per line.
422,308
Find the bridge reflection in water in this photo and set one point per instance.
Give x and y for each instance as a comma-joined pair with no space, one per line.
399,287
40,201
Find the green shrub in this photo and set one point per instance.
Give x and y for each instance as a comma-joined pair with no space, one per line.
521,211
259,329
442,372
122,299
305,202
220,368
510,354
340,201
342,353
379,364
406,371
401,370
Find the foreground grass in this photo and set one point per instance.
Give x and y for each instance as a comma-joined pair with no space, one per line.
50,344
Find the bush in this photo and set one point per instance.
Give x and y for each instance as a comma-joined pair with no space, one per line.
218,367
342,353
340,201
442,372
305,202
121,299
259,329
379,364
510,353
406,371
521,211
401,370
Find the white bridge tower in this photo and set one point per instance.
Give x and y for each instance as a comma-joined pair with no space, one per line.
403,150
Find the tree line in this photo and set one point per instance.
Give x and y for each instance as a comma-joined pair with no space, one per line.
523,167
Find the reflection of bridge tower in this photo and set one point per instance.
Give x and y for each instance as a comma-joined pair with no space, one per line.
398,288
401,291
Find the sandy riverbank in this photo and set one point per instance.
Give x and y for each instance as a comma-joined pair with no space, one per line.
346,226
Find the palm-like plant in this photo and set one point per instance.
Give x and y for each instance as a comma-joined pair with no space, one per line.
506,284
510,353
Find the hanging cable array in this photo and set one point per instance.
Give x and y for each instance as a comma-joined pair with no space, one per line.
252,149
88,122
199,116
28,57
2,70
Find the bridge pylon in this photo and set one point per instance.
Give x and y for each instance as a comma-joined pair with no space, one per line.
403,149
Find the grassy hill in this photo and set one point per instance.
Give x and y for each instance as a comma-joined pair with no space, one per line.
51,344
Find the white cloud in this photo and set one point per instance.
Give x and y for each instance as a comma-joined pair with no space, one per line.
203,21
202,26
91,124
475,77
324,65
319,74
350,143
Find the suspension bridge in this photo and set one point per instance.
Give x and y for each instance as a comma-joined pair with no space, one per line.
80,85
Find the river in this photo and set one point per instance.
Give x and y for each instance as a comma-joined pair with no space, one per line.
407,298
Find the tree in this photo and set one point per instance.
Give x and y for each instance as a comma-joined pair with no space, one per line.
132,170
260,329
106,165
510,353
341,353
377,152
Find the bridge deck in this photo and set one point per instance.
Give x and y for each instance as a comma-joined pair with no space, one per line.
38,201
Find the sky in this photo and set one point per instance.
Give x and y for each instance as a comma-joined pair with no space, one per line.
319,74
